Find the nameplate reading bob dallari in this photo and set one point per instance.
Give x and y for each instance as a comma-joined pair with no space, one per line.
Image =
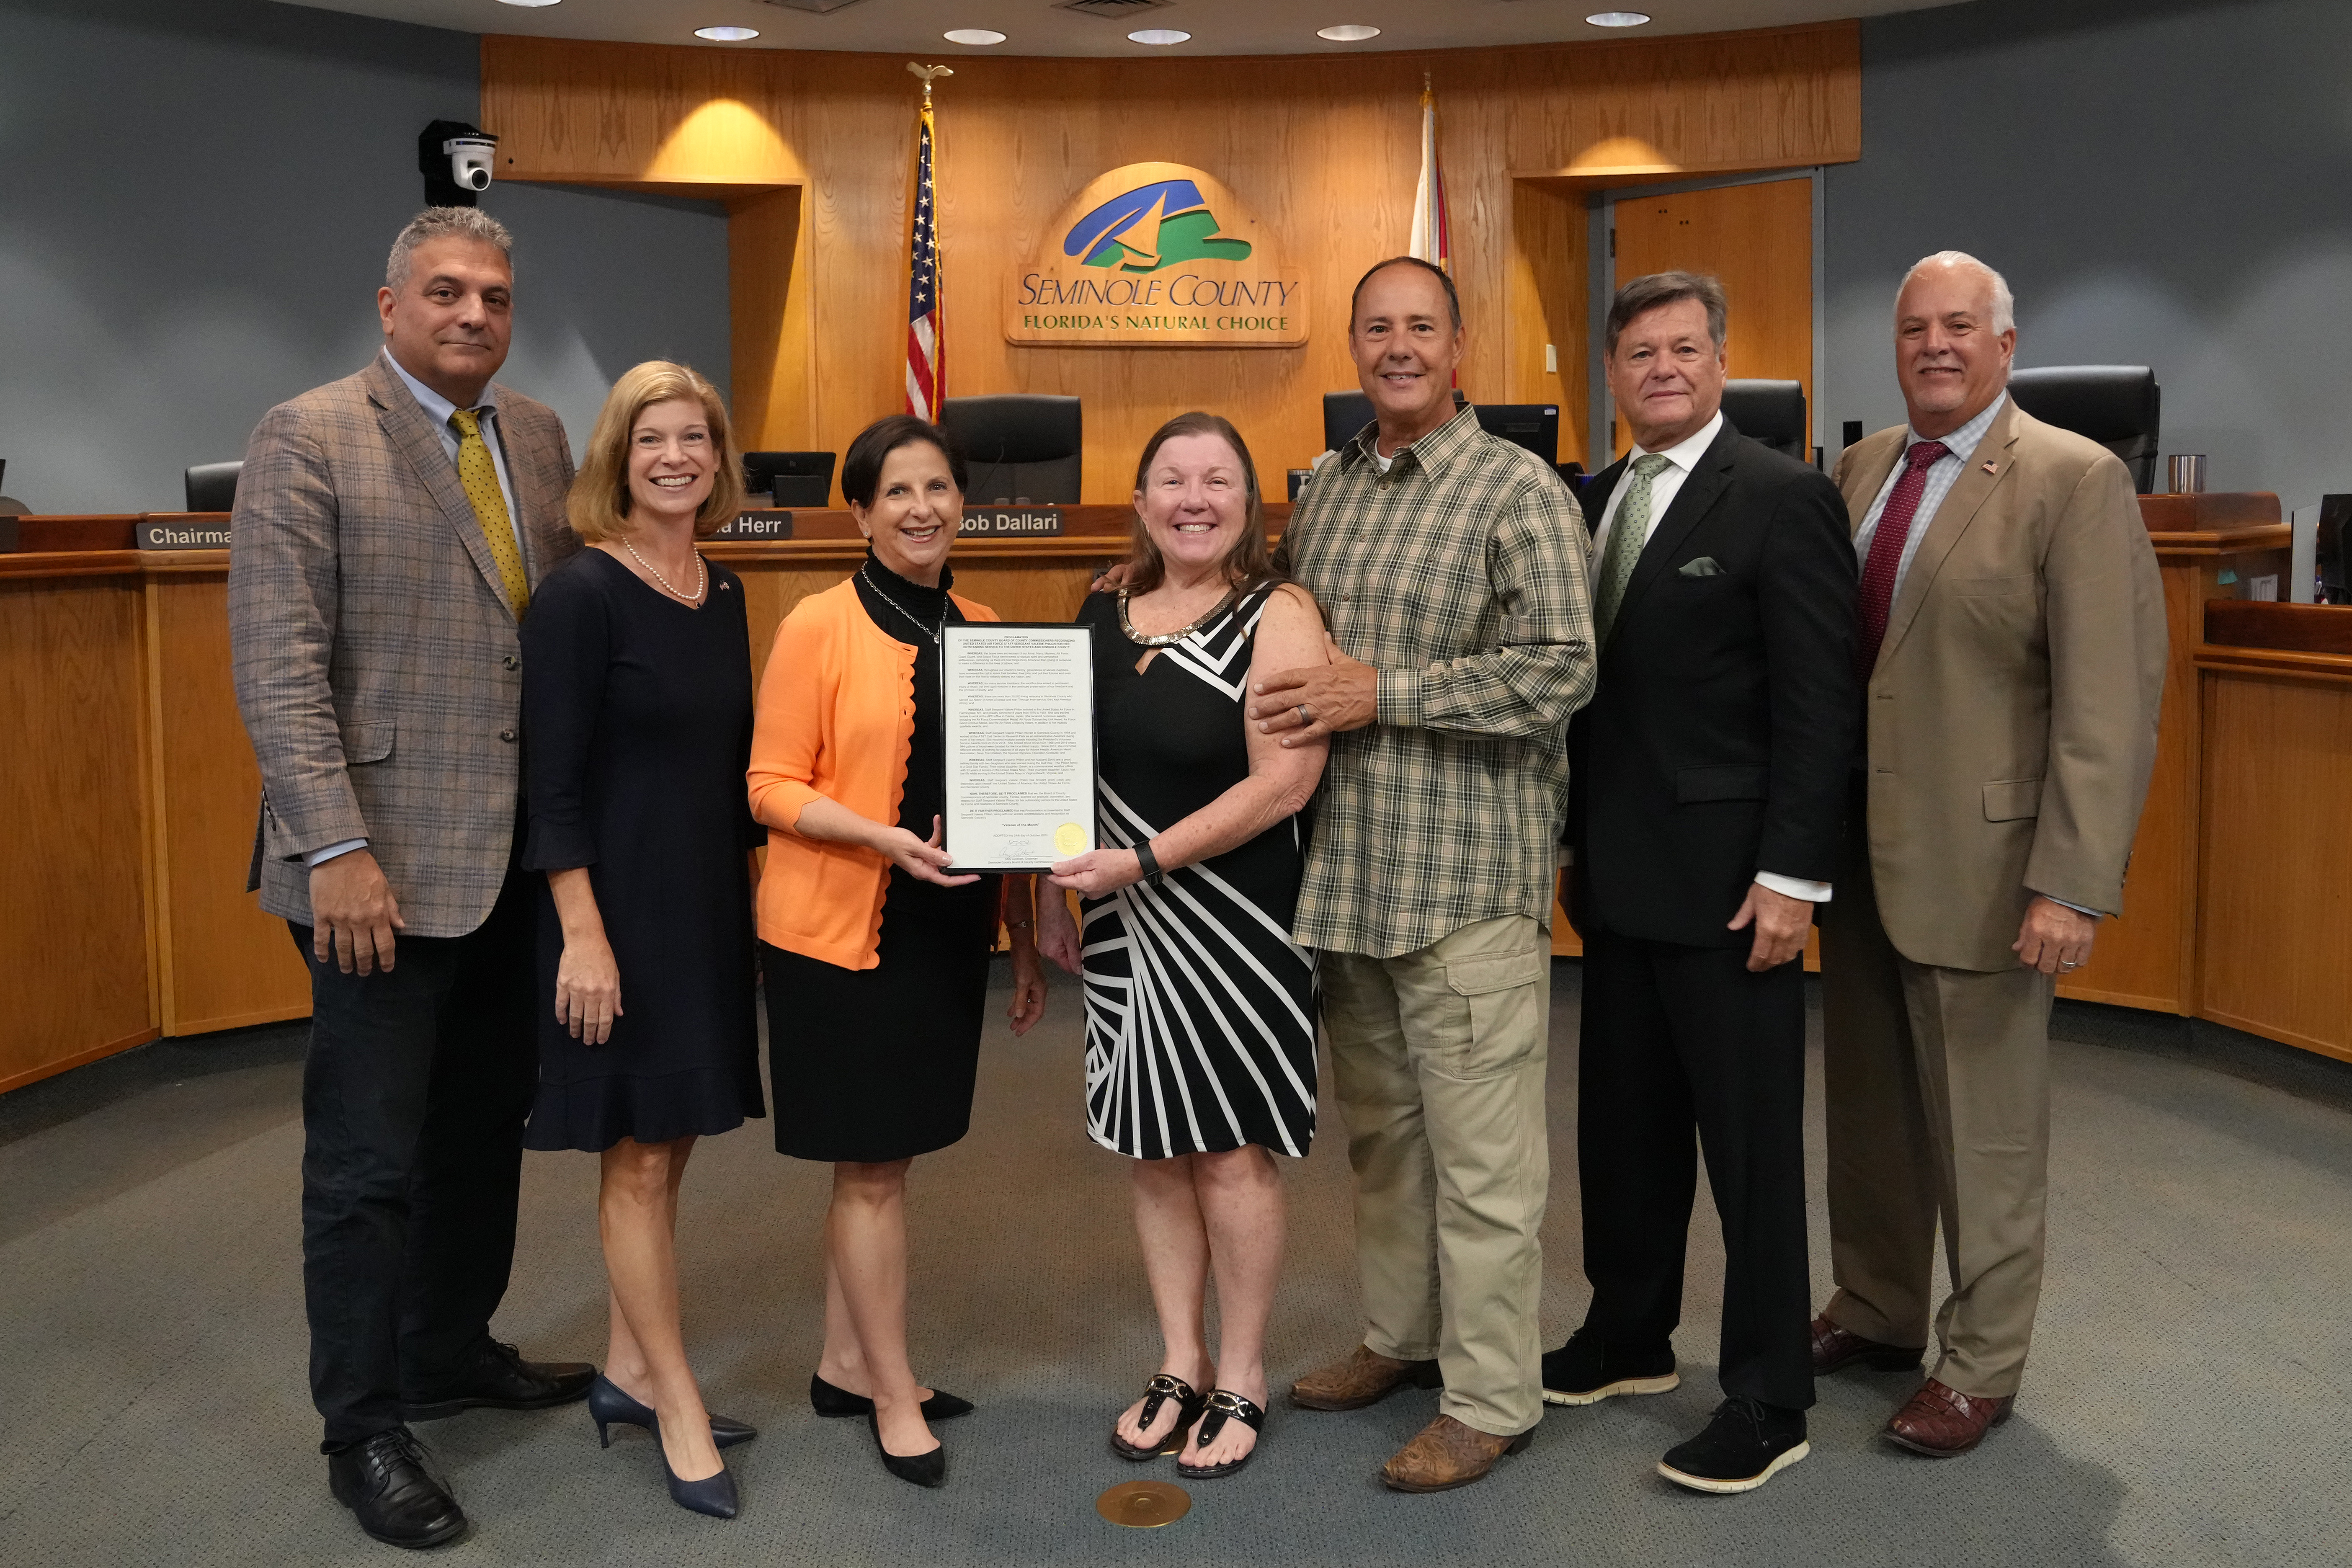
1017,704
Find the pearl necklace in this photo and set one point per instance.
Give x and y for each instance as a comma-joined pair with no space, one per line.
702,576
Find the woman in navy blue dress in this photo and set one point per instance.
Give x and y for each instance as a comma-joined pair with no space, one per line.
638,719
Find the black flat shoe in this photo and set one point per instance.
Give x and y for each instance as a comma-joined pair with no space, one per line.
1164,1387
1223,1405
390,1485
827,1399
608,1404
923,1470
712,1495
498,1378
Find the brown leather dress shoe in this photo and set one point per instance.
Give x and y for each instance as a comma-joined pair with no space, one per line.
1941,1422
1446,1453
1835,1347
1362,1377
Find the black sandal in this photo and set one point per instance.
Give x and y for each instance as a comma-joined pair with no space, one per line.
1158,1391
1222,1405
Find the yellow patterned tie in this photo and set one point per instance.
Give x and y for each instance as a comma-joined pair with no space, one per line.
481,478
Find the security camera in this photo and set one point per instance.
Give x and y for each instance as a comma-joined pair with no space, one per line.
469,160
457,160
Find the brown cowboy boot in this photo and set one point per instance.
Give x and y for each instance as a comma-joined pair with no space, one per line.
1361,1377
1446,1453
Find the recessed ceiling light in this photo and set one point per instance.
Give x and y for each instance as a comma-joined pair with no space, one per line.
1345,33
727,34
1158,35
1618,18
973,35
526,2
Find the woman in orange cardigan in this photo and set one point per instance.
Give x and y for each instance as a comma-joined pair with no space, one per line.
875,950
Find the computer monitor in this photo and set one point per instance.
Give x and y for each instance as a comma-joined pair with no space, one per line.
791,478
1535,425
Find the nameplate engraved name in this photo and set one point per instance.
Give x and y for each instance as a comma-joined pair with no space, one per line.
759,524
1013,523
182,535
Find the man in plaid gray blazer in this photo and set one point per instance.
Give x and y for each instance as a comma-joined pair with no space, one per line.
388,528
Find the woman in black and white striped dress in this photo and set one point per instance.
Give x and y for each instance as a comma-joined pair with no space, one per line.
1199,1008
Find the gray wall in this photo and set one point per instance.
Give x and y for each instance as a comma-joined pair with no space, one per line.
195,199
2163,181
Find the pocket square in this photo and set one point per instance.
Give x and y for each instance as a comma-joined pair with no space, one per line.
1705,566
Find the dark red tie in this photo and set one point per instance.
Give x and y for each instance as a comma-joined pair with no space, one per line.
1886,551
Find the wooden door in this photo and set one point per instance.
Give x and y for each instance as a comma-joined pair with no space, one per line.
1759,239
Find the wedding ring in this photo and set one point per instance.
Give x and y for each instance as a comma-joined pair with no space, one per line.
1304,716
2063,965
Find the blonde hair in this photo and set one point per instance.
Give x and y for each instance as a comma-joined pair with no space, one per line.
598,509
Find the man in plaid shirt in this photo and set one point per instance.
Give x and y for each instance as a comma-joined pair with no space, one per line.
1450,567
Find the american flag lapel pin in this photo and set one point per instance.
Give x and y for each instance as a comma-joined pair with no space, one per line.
1992,468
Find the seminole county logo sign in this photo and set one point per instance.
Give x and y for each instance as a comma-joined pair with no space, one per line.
1156,254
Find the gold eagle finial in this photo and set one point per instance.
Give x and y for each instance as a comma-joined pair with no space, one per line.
928,73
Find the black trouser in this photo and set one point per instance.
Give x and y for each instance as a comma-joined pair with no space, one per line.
1677,1040
414,1100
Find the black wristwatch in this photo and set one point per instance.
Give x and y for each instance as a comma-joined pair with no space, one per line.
1150,864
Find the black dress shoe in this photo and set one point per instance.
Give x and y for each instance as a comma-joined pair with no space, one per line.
499,1379
389,1485
829,1399
1585,1372
1747,1444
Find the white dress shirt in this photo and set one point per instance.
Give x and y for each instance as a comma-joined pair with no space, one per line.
1664,485
438,409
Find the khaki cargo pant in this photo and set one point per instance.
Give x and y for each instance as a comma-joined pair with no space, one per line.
1438,1060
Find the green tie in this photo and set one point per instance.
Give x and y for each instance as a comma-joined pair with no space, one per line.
481,478
1627,535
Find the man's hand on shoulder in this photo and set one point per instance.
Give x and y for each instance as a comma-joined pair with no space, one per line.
1317,701
353,914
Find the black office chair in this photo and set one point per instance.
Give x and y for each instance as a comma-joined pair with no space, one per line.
1018,445
1770,412
1344,414
2118,405
789,479
212,487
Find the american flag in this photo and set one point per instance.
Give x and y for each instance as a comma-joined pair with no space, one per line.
927,359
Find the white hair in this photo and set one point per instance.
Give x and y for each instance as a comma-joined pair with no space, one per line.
2004,303
444,223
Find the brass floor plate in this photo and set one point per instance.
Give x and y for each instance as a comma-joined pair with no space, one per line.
1144,1505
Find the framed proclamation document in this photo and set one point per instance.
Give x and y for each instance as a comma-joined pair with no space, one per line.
1017,708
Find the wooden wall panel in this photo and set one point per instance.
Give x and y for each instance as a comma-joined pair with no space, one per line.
222,962
1324,150
2277,870
73,830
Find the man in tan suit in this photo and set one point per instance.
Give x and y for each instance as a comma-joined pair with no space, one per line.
389,529
2012,631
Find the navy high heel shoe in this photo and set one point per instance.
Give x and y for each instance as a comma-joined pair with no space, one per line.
608,1404
712,1495
827,1399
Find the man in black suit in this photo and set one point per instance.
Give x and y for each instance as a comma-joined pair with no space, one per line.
1709,783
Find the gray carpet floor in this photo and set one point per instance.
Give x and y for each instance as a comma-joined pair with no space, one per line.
2186,1403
